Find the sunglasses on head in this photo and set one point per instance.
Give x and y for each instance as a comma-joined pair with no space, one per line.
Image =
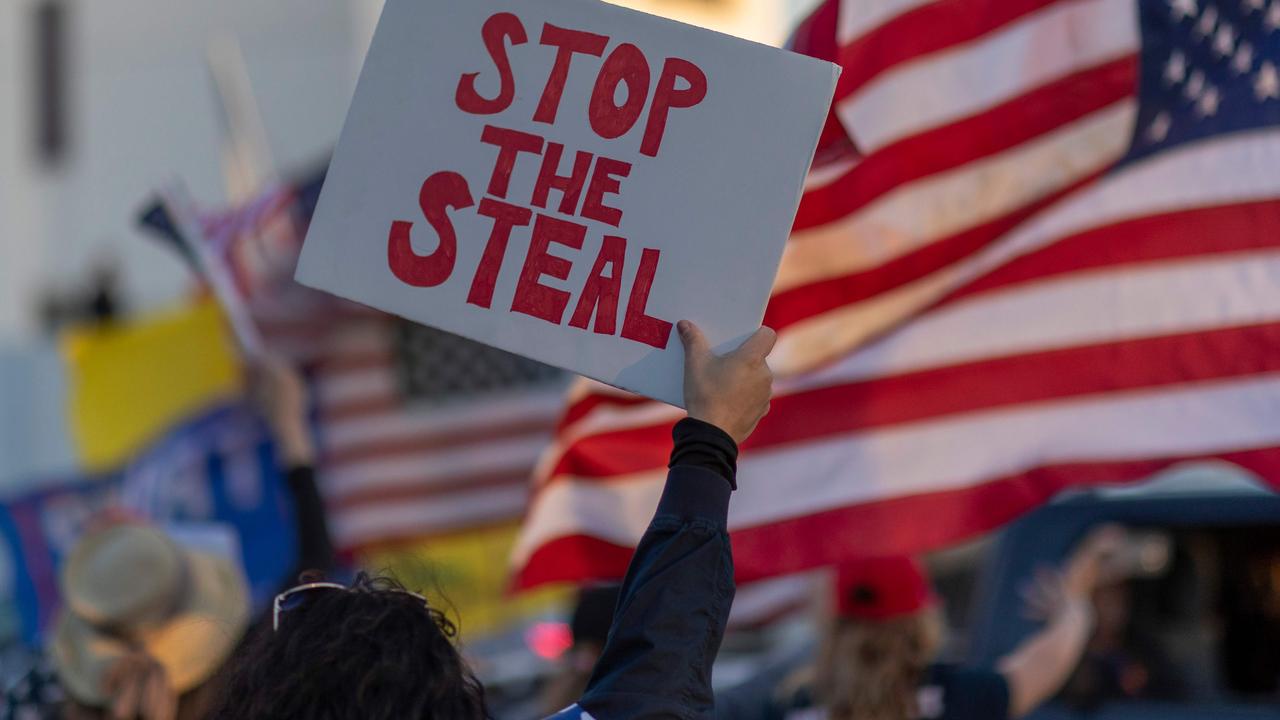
297,597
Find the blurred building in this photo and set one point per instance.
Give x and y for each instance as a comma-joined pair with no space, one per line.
102,101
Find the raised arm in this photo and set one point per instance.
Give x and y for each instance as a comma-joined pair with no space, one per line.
282,396
1038,668
675,599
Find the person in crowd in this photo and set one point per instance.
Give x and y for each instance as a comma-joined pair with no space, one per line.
589,627
147,625
376,651
282,398
879,658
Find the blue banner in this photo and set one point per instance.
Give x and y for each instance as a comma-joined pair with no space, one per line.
219,468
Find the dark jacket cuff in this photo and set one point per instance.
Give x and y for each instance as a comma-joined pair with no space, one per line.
700,444
694,493
315,544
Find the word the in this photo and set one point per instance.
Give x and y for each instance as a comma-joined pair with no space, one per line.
626,65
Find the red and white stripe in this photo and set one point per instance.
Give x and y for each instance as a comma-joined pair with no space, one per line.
395,469
973,312
961,144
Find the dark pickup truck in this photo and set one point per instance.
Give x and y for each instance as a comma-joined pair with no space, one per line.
1196,638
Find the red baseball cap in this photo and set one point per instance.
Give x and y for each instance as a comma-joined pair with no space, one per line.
882,588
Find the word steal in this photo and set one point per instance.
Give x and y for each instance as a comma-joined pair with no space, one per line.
588,185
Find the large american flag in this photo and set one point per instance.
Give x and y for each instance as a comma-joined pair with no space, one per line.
1039,248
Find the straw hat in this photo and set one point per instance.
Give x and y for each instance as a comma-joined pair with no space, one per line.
129,588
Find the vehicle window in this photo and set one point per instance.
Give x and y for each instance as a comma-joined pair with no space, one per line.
1206,628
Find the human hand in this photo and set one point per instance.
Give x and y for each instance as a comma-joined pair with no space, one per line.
277,389
729,391
281,395
139,688
1098,560
1047,596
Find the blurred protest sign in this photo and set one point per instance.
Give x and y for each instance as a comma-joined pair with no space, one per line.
132,383
676,157
218,467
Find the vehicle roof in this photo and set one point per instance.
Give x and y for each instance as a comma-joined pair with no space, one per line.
1206,478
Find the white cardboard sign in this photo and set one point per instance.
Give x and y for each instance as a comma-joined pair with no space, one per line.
566,179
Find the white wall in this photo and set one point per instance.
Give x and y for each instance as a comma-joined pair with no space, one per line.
143,113
20,253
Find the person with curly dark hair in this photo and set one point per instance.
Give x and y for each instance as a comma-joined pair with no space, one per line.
376,651
369,650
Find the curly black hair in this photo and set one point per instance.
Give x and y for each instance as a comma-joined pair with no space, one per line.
374,652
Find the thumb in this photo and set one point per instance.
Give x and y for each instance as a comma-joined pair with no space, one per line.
696,347
760,344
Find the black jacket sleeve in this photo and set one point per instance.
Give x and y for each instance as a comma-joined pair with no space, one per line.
676,596
315,545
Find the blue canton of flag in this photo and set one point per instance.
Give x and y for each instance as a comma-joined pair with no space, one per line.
1208,67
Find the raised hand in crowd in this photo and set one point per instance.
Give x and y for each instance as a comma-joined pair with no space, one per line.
139,688
281,395
1038,668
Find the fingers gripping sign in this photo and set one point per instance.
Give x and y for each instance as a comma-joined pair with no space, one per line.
730,391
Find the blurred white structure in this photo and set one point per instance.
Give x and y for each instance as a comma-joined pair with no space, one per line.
139,110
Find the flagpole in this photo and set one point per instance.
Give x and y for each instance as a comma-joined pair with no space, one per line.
248,163
181,209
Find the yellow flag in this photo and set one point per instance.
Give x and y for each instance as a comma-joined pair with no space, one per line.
131,382
467,573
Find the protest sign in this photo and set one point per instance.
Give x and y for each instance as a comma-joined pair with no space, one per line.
566,179
215,473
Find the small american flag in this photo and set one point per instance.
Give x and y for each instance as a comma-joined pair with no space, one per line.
421,432
1039,248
